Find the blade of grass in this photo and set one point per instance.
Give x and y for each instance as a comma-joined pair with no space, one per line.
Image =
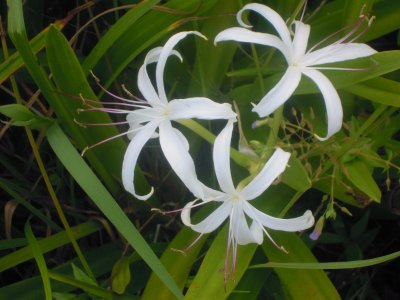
331,265
41,263
115,32
18,25
47,244
88,181
4,185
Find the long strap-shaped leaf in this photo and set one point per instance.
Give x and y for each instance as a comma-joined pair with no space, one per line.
88,181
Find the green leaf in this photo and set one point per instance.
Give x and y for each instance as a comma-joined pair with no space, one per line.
296,175
41,263
93,187
361,176
47,244
299,283
121,275
82,276
115,32
22,116
331,265
379,90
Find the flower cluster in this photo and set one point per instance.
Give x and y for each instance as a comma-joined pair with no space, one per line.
153,116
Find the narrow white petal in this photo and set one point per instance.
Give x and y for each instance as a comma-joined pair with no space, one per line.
200,108
175,149
131,156
300,40
291,225
213,195
144,83
247,36
165,53
221,155
239,227
257,232
271,16
210,223
334,111
272,169
280,93
337,53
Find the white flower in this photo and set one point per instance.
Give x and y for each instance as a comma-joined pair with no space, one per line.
300,61
235,202
156,112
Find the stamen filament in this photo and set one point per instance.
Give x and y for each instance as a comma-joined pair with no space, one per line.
107,140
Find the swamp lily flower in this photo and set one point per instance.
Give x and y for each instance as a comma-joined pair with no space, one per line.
156,112
299,60
235,202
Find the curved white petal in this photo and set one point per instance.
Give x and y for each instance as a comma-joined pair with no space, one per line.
221,156
210,223
239,227
334,111
247,36
300,40
213,195
257,232
200,108
271,16
271,170
165,53
131,156
175,149
280,93
144,83
336,53
295,224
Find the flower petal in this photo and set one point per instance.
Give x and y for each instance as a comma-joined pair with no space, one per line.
210,223
221,156
131,156
295,224
257,232
175,148
239,227
336,53
247,36
165,53
201,108
272,169
334,111
144,83
300,40
280,93
271,16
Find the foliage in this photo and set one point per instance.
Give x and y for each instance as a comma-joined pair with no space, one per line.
68,224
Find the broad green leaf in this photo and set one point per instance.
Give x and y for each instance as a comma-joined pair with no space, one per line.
361,176
115,32
296,175
209,280
15,62
47,244
22,116
379,90
121,275
299,283
80,275
41,263
93,187
63,110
